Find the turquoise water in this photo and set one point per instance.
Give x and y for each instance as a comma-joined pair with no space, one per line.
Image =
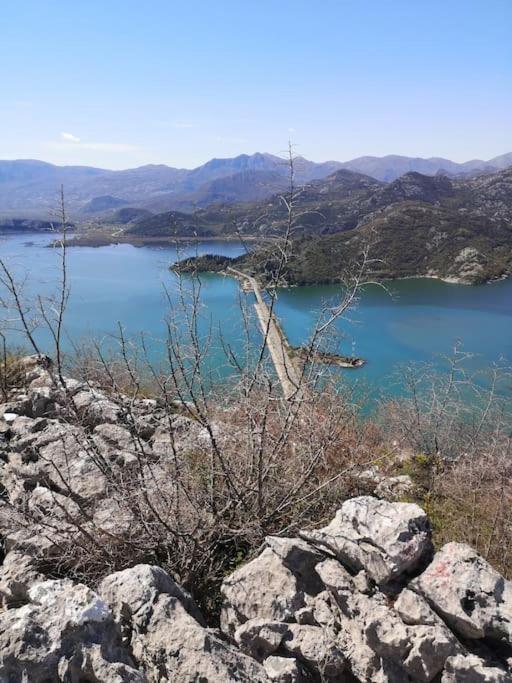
419,321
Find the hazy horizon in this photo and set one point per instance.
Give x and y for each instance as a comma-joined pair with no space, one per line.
282,153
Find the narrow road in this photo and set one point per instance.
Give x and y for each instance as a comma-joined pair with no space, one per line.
286,367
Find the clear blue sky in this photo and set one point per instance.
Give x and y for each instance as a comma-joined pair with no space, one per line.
120,83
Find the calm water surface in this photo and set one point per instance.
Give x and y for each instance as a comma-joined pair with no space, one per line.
420,321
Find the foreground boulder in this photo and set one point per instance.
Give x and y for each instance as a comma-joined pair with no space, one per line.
168,642
293,614
335,602
383,642
385,539
468,593
472,669
313,649
274,590
63,632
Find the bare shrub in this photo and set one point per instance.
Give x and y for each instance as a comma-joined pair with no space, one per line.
454,430
11,375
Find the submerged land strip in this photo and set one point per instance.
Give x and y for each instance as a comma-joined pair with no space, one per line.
288,361
285,364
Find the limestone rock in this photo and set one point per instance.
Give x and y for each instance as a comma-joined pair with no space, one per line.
272,587
56,453
260,638
394,488
336,604
132,593
313,646
285,670
300,558
166,640
62,626
431,647
468,593
379,643
414,610
35,363
472,669
95,408
317,649
385,539
176,648
17,574
181,434
350,612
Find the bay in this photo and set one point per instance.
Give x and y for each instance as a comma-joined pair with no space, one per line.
417,320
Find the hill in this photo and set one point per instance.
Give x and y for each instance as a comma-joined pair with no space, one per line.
29,188
416,226
324,574
103,203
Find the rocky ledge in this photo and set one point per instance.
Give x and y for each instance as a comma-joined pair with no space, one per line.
363,599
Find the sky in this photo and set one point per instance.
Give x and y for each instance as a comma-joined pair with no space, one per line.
122,83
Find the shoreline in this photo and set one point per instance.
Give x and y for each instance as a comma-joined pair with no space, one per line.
447,280
97,241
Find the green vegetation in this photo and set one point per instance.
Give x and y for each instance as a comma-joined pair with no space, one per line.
416,226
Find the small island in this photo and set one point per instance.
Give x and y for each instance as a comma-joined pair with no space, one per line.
329,358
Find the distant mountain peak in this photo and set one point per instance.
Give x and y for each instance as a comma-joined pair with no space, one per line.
29,188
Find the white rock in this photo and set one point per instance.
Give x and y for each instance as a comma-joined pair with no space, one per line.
472,669
58,633
273,590
468,593
134,591
318,650
300,558
260,638
283,670
385,539
166,640
84,607
378,642
95,408
414,610
17,574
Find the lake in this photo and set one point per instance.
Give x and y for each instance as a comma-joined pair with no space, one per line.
419,321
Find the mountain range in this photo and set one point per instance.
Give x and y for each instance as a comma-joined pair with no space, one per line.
29,188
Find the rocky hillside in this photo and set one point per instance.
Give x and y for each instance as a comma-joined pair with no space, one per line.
416,226
365,598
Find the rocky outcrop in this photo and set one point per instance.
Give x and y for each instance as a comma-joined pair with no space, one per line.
362,599
387,541
164,631
63,632
472,669
468,593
